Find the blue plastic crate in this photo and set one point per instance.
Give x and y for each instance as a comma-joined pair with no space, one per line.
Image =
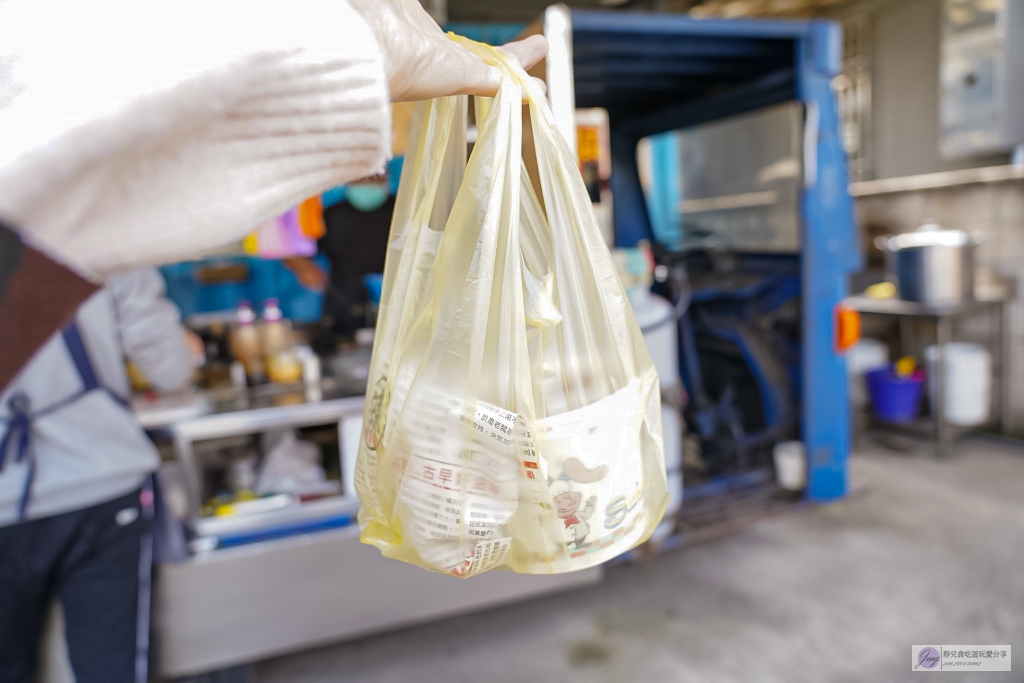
268,278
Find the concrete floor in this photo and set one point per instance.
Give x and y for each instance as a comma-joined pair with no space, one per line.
923,552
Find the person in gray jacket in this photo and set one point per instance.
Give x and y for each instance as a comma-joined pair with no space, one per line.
75,497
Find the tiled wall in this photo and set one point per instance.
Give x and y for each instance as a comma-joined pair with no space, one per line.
995,209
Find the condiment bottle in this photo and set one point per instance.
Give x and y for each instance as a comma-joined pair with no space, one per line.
244,342
276,331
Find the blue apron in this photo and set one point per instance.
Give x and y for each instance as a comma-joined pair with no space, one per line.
18,435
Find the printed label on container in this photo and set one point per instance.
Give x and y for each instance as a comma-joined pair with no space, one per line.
595,476
490,554
454,503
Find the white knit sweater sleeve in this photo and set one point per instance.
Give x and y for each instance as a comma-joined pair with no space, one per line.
144,131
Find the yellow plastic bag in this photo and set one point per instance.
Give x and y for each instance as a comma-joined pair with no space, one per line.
513,413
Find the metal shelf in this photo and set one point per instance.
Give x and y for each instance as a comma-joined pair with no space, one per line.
936,181
293,515
864,304
346,412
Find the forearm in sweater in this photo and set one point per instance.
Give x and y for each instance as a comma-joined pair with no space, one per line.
137,132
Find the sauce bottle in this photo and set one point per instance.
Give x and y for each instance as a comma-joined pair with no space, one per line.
244,343
276,343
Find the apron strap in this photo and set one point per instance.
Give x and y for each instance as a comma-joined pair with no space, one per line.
18,435
80,357
19,438
73,340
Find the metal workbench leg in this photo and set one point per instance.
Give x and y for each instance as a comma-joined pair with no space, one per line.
943,333
1002,313
906,332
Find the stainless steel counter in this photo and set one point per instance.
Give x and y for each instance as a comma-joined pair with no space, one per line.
232,605
248,603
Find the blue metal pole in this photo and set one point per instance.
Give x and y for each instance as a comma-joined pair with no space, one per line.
829,253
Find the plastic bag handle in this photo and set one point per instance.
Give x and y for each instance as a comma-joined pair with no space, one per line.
443,111
545,131
572,230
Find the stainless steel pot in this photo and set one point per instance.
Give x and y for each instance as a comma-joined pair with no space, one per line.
932,265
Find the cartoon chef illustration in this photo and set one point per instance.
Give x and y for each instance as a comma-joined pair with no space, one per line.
569,504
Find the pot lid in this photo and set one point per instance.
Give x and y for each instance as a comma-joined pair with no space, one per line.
929,234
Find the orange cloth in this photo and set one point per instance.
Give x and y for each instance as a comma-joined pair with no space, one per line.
311,218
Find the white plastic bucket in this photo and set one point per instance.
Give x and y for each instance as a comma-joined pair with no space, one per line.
968,382
790,465
672,432
656,318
